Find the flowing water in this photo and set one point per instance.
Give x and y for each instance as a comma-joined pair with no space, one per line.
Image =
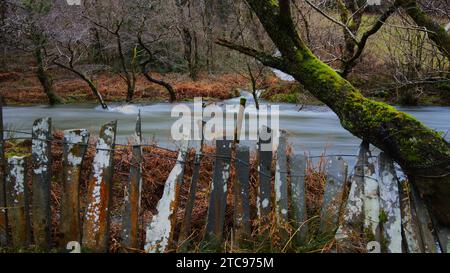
313,129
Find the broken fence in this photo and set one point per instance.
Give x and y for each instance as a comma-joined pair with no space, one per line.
368,202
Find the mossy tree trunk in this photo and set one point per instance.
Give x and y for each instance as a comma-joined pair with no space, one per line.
44,78
423,154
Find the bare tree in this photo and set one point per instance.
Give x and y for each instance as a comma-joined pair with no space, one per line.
189,36
114,20
70,52
26,28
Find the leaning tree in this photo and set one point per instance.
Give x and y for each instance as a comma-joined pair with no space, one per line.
422,153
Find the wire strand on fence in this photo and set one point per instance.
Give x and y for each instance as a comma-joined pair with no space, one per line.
127,147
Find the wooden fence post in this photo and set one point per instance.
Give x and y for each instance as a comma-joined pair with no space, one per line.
334,191
185,230
297,166
41,155
74,149
160,232
130,224
390,205
132,207
16,198
3,211
424,222
371,199
353,217
410,225
443,234
96,218
281,186
241,195
264,177
218,195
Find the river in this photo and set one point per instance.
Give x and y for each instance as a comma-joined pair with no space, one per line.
313,129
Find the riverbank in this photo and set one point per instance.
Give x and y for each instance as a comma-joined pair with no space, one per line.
23,88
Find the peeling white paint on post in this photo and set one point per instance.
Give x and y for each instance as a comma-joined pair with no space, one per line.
334,191
96,218
410,225
353,219
298,195
16,198
218,195
281,186
74,149
371,197
264,202
160,231
390,205
41,155
424,222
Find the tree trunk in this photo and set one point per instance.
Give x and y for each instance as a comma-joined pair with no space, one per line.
208,28
88,81
96,92
189,38
45,79
167,86
423,154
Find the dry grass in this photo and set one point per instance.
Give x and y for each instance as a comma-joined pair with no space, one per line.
24,87
267,234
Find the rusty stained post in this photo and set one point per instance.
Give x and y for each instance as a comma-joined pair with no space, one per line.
390,214
160,232
297,166
218,195
334,191
236,184
132,207
16,198
281,185
130,224
264,175
41,155
74,149
241,194
96,218
3,211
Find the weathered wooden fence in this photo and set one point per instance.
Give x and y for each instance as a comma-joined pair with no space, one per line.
366,202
